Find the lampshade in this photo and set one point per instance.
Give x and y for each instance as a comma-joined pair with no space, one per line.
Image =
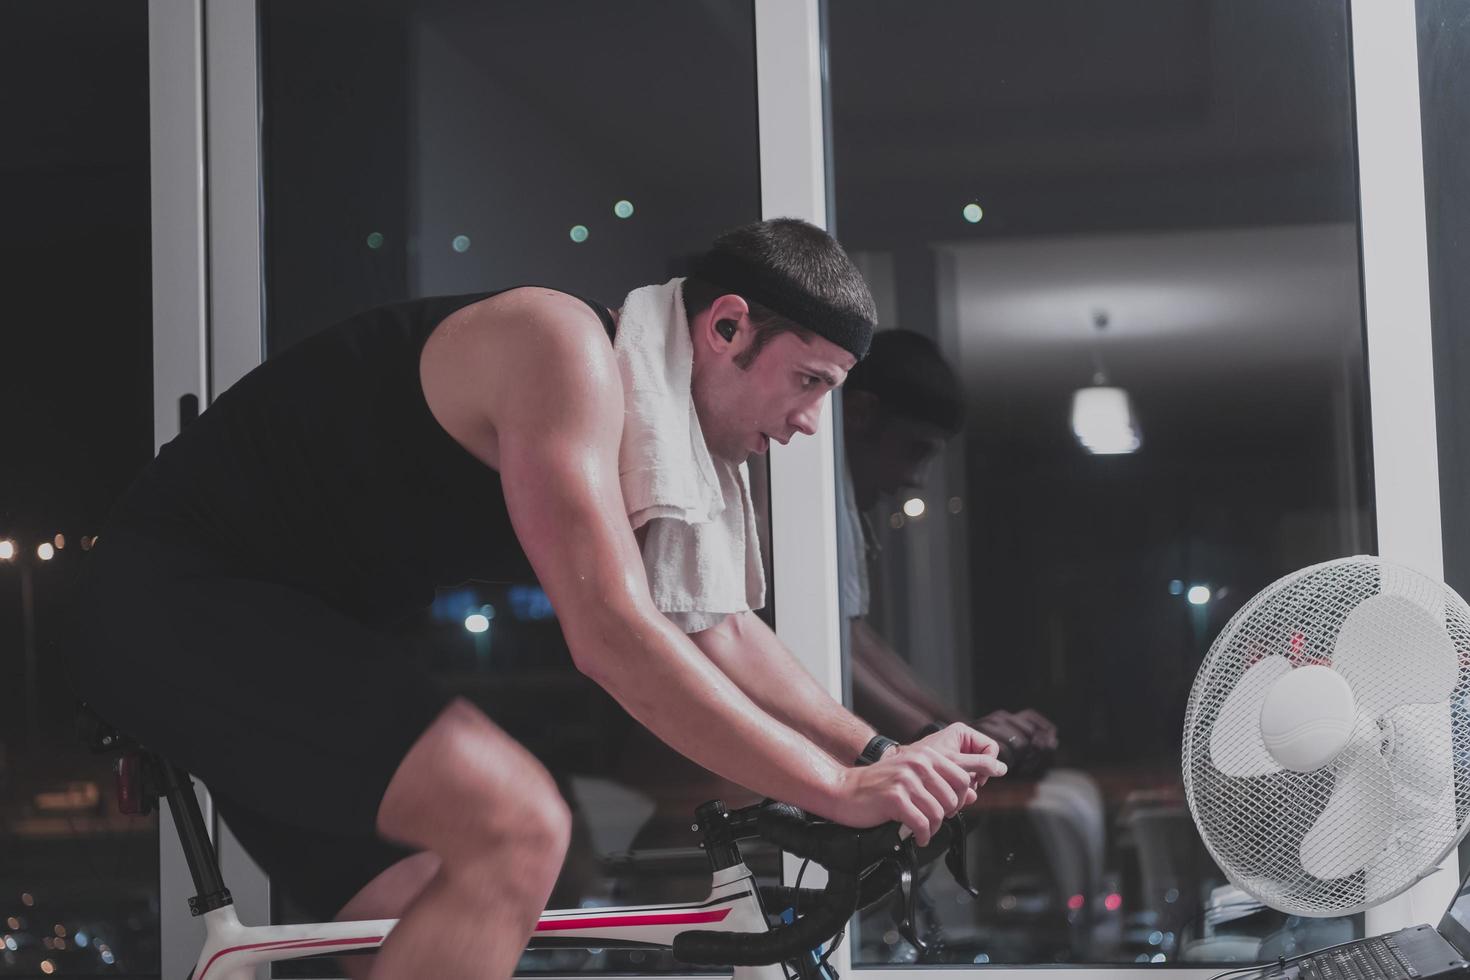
1103,421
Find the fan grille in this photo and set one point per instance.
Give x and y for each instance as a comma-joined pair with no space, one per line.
1253,826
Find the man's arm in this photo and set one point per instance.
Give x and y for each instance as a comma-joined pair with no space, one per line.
552,393
887,693
884,689
746,650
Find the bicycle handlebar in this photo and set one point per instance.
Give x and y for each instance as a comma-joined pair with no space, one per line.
863,866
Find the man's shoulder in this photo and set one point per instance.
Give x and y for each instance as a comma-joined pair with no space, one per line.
541,322
529,348
539,302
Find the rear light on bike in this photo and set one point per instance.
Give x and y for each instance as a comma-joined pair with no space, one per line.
129,774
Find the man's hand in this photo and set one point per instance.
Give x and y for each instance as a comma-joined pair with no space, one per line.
1028,740
920,784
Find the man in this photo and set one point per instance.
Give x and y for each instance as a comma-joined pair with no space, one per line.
230,615
900,406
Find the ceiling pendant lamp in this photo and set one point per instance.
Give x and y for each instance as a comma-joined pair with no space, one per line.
1102,414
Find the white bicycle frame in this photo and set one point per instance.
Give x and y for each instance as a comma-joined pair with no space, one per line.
232,950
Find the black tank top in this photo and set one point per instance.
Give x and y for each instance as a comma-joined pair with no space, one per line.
323,468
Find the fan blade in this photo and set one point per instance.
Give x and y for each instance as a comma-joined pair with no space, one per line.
1423,770
1423,590
1236,746
1422,761
1393,648
1353,828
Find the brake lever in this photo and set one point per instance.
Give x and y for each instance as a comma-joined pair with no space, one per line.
906,860
954,856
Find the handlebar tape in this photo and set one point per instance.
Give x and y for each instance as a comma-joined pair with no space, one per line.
845,853
833,846
833,906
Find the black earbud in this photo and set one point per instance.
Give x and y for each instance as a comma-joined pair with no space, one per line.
726,329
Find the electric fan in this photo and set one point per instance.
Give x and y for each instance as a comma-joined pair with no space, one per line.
1327,738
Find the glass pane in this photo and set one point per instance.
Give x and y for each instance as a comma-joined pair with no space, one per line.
1126,233
418,149
1444,92
78,879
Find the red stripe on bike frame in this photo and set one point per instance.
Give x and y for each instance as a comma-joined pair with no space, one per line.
661,919
289,944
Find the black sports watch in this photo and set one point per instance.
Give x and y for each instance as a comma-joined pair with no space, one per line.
874,750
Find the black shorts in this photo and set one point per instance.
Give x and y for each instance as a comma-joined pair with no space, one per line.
292,713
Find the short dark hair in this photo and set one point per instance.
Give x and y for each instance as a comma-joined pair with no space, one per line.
909,376
798,251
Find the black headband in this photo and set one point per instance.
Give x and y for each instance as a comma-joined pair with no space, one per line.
758,284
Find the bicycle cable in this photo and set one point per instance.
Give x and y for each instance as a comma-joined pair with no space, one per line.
796,913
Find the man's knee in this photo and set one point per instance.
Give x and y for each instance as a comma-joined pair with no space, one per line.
547,839
466,786
542,821
516,860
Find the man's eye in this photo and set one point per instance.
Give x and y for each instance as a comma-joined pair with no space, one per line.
808,380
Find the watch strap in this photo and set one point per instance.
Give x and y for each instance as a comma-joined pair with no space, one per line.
874,750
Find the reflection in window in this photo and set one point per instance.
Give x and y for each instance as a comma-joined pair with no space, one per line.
454,146
1444,88
1118,245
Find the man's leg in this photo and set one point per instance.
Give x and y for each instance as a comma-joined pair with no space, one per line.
473,796
386,897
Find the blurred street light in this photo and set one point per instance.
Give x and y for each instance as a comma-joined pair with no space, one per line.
8,553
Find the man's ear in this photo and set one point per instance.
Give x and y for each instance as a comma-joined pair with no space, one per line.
860,411
723,321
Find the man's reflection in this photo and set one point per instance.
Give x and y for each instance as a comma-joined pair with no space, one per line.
900,406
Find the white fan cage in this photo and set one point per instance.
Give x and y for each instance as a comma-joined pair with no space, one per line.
1253,826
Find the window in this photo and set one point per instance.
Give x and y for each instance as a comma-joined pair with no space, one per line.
415,149
1129,234
1444,46
79,880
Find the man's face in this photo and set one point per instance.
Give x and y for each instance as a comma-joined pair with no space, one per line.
902,449
742,409
888,454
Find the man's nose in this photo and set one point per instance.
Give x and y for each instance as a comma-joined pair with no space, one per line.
806,420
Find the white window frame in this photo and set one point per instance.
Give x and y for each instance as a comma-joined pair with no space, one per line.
1395,251
180,347
207,323
209,329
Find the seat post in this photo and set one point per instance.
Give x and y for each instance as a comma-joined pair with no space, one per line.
143,777
209,883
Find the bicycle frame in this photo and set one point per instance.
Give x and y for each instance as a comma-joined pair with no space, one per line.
232,950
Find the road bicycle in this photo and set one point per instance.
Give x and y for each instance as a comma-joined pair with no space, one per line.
764,932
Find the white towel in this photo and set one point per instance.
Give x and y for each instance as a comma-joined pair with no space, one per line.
701,553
